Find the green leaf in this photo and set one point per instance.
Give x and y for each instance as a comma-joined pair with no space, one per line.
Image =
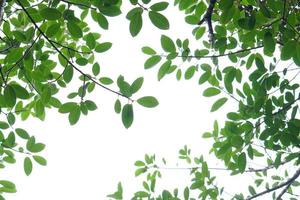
90,105
136,24
288,50
148,101
14,55
127,115
27,166
67,107
7,187
50,13
148,51
167,44
46,95
159,20
40,160
74,115
212,91
102,47
20,92
160,6
118,106
90,41
106,80
186,193
242,161
152,61
269,43
136,85
9,96
96,69
74,29
218,104
22,133
163,70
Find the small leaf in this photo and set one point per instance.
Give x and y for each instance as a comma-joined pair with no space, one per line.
74,115
27,166
148,101
212,91
40,160
127,115
136,85
218,104
242,161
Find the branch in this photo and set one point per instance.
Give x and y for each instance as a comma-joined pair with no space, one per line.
15,150
219,55
287,183
207,18
70,48
65,58
2,4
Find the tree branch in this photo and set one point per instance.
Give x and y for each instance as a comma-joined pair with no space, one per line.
287,183
207,18
2,4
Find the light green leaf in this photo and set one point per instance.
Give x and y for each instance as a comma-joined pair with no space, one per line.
218,104
148,101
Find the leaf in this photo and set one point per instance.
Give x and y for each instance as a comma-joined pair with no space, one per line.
136,24
160,6
74,29
288,50
163,70
40,160
218,104
90,105
118,106
269,43
148,51
20,91
9,96
159,20
27,166
67,107
96,69
50,13
136,85
150,62
148,101
242,161
102,47
22,133
127,115
106,80
212,91
74,115
46,95
167,44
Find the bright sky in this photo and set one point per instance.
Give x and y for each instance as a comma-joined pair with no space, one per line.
87,161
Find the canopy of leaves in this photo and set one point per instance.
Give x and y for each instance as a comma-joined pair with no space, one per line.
47,45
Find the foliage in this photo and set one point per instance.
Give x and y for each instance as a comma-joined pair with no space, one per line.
45,44
260,40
